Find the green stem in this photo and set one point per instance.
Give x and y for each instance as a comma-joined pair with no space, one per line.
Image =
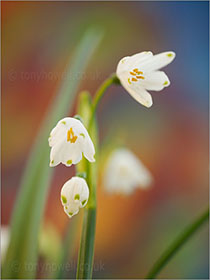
86,253
100,93
177,244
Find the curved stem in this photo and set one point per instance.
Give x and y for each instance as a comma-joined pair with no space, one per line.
100,93
177,244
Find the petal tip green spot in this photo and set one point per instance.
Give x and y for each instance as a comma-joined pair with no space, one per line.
70,214
77,197
169,54
83,202
166,82
63,122
82,134
64,199
69,162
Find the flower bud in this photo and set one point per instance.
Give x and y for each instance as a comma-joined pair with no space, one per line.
74,195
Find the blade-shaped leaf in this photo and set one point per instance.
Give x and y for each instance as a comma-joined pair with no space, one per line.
21,257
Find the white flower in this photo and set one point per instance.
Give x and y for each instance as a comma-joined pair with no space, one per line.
74,195
5,239
140,72
124,172
68,140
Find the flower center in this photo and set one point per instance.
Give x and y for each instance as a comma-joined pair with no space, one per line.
135,76
70,136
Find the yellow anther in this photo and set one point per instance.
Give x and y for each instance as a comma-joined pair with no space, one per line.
140,72
134,74
134,80
70,136
140,77
136,70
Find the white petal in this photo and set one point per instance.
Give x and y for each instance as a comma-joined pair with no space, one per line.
71,153
139,94
138,58
130,62
88,149
155,81
57,133
72,209
55,154
157,61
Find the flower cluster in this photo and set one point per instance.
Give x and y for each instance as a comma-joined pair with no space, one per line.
124,172
68,140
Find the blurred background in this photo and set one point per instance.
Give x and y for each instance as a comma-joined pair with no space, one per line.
171,138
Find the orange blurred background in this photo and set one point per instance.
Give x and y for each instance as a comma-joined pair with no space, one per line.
171,138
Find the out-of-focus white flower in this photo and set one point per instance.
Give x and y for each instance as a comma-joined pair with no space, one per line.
124,172
5,238
68,140
140,72
74,195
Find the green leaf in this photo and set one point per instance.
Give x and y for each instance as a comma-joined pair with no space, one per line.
21,259
68,248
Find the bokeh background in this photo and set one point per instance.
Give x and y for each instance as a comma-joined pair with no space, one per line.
171,138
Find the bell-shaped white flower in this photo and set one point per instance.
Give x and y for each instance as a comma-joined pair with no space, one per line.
74,195
68,140
140,72
124,172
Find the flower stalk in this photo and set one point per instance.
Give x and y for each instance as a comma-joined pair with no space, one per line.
100,93
86,252
177,244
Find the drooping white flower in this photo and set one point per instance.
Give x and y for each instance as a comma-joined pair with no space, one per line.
5,239
124,172
68,140
140,72
74,195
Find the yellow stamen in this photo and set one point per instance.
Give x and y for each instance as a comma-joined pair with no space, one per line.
134,74
134,80
70,136
140,77
135,70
